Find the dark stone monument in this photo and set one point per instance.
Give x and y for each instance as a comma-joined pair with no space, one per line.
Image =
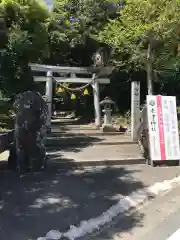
30,132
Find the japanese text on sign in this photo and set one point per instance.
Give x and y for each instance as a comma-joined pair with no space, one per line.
163,128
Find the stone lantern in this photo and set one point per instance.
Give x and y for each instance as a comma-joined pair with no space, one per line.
107,104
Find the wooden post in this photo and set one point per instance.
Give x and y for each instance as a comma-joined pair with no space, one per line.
135,108
49,96
97,109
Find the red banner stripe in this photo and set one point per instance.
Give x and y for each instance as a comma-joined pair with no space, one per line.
161,128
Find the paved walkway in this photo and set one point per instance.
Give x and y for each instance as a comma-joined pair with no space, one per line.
56,199
96,155
61,197
73,145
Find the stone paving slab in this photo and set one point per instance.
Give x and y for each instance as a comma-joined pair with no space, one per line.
89,155
117,137
97,155
33,205
86,132
74,146
4,156
91,140
85,153
79,130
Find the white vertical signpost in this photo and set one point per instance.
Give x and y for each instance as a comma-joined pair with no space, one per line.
163,128
135,108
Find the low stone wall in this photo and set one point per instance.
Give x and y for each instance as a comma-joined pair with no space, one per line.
143,133
6,139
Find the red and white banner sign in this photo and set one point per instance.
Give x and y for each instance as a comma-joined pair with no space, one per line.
163,128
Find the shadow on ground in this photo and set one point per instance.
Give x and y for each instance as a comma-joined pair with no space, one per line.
55,199
70,143
63,138
78,120
58,198
119,228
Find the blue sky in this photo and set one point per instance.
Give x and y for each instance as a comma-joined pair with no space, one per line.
49,3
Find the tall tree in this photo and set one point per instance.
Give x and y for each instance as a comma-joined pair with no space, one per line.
74,26
27,24
145,35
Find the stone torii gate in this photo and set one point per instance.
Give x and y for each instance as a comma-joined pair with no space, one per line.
100,76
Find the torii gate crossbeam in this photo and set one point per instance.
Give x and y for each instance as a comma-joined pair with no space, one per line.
102,74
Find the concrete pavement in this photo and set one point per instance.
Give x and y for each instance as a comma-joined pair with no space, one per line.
175,236
158,219
32,206
72,145
167,220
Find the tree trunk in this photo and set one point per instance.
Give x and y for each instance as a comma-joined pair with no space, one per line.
149,70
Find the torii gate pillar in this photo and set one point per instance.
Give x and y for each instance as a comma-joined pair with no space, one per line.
97,109
49,97
103,72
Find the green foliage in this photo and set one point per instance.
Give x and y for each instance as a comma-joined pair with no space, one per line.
142,21
27,23
73,28
76,28
79,20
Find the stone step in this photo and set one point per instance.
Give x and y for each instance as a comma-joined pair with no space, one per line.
4,156
69,164
83,132
83,129
86,133
96,155
90,155
73,145
76,140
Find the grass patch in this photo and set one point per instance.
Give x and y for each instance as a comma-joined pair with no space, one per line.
123,120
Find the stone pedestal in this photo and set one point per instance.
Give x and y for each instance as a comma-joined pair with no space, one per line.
107,117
